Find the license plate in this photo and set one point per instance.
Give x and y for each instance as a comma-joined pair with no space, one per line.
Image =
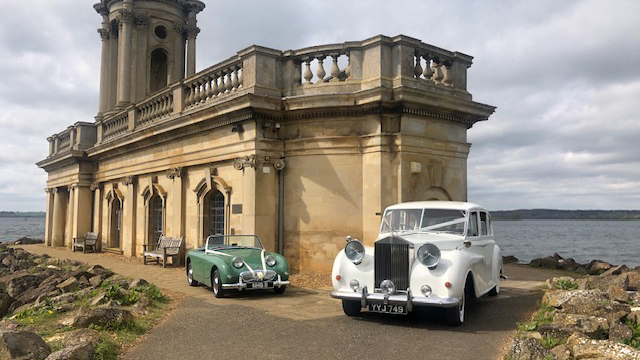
258,285
388,309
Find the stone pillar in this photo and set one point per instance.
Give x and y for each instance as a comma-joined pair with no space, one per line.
68,229
248,200
128,232
58,218
104,67
49,217
81,211
192,33
97,213
125,54
177,217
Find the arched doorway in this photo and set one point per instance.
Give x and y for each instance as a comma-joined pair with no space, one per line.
214,213
156,219
159,70
116,223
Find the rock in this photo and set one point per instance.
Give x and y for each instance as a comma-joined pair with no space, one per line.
98,316
603,283
99,270
568,264
84,282
557,256
96,280
555,330
20,284
634,316
77,344
586,302
556,282
33,293
561,352
53,279
26,240
616,270
5,301
9,260
69,285
595,327
633,280
558,299
619,331
617,293
528,349
509,259
548,262
77,352
138,282
22,345
98,299
582,347
78,274
597,267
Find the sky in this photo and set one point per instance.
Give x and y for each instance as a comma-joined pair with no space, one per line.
564,76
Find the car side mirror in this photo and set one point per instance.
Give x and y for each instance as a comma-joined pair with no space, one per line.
467,243
348,238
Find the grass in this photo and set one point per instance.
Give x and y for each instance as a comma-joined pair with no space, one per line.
544,315
549,342
565,284
634,341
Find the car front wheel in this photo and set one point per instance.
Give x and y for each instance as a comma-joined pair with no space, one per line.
455,315
190,275
280,289
216,284
351,308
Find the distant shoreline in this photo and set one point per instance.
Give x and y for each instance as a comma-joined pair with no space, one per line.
20,214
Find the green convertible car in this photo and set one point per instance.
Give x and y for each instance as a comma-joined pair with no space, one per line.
236,262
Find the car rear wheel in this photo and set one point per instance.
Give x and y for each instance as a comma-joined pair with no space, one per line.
190,275
496,289
216,284
455,315
279,289
351,308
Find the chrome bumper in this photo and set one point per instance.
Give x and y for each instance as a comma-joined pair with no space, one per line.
399,299
242,285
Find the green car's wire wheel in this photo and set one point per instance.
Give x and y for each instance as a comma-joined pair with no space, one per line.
216,284
190,275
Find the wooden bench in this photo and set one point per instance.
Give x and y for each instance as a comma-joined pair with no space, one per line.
90,240
165,248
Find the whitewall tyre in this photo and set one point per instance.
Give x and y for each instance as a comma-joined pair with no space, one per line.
216,284
190,275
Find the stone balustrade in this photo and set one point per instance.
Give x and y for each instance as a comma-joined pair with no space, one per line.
154,108
347,67
213,83
80,136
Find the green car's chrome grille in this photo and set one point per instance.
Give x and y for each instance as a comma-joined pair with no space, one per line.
268,275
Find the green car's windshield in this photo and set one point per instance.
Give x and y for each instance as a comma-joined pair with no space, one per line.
219,242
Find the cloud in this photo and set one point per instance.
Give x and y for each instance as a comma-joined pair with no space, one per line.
562,74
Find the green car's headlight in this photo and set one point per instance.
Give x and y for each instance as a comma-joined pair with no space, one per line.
237,262
270,260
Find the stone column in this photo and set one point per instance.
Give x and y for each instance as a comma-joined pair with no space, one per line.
177,216
192,33
128,232
248,200
68,229
104,66
81,211
58,218
125,54
97,213
49,217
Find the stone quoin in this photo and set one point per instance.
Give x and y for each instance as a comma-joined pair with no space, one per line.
300,147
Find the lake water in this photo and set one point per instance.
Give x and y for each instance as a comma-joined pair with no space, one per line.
617,242
13,228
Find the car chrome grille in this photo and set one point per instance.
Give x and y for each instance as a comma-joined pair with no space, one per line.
392,263
247,276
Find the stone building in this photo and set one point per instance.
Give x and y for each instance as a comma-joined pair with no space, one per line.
301,147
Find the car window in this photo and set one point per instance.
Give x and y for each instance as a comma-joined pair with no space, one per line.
484,223
401,220
473,224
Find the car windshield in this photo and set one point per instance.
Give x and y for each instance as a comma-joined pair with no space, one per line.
219,242
433,220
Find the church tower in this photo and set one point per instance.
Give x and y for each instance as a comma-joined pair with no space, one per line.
146,45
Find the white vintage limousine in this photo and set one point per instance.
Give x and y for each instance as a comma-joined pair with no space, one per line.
428,253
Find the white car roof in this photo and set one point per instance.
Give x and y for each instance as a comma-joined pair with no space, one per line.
452,205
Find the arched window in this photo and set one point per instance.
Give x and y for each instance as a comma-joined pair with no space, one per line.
116,223
159,70
156,217
214,208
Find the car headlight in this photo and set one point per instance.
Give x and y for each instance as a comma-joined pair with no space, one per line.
354,284
429,255
387,287
237,262
354,250
270,260
426,290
